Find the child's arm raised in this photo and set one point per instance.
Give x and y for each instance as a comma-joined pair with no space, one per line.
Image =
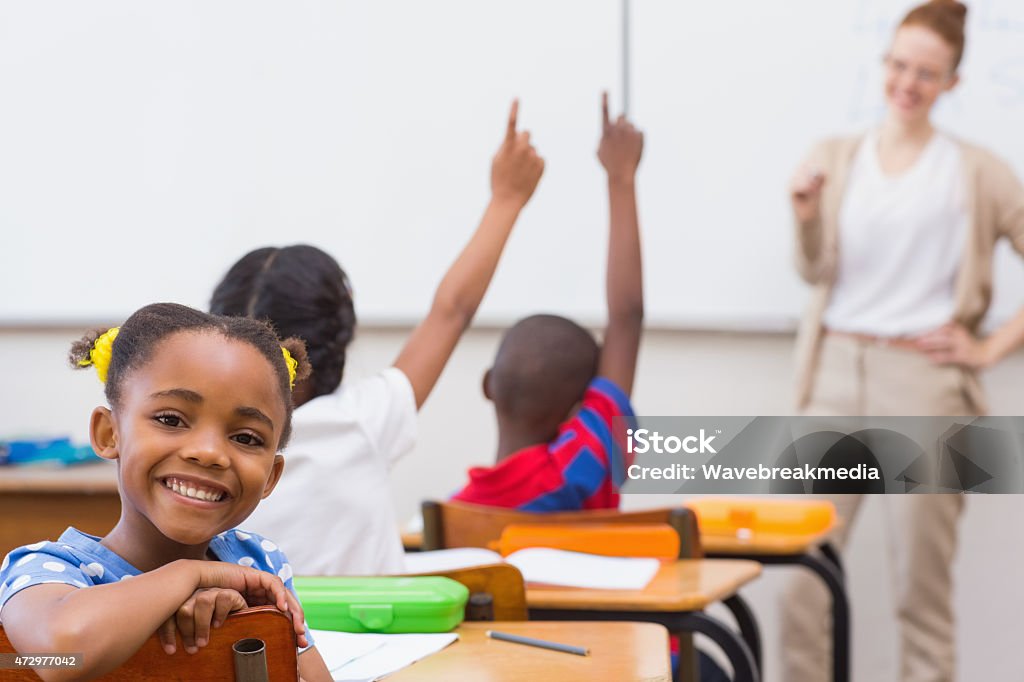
108,623
515,172
619,153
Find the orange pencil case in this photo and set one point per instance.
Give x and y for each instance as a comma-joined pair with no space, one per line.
657,540
726,516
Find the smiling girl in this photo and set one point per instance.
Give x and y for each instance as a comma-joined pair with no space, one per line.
200,405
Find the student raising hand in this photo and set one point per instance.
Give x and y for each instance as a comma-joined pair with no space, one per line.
515,172
347,437
619,151
621,145
516,168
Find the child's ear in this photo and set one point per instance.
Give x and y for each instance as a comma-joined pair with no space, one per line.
487,386
103,433
275,475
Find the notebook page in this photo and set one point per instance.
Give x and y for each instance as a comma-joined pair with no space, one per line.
573,569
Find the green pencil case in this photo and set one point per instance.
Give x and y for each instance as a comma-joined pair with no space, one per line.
385,604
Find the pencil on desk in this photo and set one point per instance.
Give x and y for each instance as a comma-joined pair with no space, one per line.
541,643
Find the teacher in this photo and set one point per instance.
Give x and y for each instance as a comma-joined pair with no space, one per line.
895,232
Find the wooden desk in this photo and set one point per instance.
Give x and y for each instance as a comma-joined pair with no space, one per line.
619,652
39,503
675,598
683,585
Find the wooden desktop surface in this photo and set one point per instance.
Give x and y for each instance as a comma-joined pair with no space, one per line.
682,585
38,503
619,652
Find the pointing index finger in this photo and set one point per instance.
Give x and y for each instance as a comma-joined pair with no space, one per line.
513,115
605,121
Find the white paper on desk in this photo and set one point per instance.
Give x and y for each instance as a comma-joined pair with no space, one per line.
449,559
573,569
339,648
375,655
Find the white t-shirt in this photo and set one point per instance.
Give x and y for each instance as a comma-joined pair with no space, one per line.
901,241
332,511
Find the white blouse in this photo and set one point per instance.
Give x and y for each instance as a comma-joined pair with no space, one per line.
901,241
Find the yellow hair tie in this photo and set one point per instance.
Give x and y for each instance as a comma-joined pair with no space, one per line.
101,352
292,366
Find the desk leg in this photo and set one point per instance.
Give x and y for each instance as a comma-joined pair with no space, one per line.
740,658
744,668
748,627
830,573
830,553
833,579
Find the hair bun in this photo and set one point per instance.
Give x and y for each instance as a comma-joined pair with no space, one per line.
953,8
947,18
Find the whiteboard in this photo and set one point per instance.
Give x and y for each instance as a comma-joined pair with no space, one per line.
144,147
734,93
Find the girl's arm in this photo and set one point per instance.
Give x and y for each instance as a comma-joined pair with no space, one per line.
107,624
312,667
515,172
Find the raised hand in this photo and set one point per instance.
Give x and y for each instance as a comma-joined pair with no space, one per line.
621,145
516,168
805,193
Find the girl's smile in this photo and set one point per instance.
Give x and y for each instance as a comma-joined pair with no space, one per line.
196,491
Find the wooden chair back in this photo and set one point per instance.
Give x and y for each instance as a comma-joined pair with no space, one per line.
504,584
457,524
213,663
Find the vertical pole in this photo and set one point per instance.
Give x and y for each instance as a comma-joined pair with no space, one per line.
625,57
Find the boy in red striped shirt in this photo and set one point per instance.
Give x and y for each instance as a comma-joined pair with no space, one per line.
555,392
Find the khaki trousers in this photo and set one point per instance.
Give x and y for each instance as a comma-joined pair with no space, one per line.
863,378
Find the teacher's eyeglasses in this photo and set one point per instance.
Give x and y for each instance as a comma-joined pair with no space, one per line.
923,76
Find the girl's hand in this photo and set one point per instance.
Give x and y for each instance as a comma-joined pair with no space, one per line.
621,145
952,344
206,608
258,588
805,193
516,168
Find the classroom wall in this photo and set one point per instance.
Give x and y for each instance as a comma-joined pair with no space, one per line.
680,373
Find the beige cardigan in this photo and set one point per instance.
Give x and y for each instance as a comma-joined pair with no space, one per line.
996,203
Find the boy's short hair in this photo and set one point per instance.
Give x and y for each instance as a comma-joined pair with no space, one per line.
542,368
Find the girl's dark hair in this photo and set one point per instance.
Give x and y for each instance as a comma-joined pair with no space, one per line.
302,292
147,327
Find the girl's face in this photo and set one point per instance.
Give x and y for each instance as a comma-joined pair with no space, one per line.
918,68
196,435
